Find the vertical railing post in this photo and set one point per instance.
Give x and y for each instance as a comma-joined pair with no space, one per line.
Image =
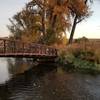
11,46
4,50
45,50
55,52
39,51
23,47
14,46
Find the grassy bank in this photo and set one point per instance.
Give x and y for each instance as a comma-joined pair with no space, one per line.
80,57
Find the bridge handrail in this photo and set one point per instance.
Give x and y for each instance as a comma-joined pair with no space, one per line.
17,46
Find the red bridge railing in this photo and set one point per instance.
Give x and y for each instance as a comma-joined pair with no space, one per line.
18,48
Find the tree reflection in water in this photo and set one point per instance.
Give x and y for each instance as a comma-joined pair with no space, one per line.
24,84
47,82
19,65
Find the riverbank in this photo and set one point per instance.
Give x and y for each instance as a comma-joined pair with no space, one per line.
81,57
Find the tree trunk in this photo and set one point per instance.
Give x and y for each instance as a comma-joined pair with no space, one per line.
73,30
44,19
74,27
53,22
43,23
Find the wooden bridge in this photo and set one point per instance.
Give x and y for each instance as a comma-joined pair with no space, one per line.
12,48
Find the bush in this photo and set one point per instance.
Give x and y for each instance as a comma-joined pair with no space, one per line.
97,56
65,57
79,60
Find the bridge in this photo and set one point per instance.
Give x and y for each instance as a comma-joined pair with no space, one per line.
16,48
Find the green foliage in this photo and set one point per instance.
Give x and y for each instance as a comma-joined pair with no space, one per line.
79,61
65,58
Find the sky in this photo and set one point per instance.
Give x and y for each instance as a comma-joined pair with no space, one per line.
8,8
89,28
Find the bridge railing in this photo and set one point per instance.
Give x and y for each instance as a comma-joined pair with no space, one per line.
18,47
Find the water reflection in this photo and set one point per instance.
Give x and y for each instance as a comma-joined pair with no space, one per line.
10,67
19,65
27,85
4,73
47,82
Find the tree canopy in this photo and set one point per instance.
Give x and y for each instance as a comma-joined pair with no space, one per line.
46,21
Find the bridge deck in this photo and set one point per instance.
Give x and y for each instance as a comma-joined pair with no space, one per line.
27,55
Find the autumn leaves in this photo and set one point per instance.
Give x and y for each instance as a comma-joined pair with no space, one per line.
46,21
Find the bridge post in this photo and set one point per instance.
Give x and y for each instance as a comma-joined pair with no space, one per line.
4,46
56,52
23,47
14,46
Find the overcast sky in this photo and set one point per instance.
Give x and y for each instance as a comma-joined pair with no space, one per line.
89,28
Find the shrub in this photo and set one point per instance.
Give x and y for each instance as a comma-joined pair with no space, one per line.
97,56
75,58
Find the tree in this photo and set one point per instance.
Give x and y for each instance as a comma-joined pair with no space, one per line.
26,26
45,21
34,24
53,20
78,10
79,15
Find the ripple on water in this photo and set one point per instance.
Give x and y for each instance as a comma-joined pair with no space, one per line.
46,82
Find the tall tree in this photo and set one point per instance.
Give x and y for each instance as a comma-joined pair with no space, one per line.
26,24
48,19
78,16
33,23
78,10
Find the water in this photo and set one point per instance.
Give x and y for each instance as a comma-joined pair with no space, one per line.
23,80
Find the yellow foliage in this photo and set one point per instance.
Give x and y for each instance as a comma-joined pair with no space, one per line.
29,38
61,42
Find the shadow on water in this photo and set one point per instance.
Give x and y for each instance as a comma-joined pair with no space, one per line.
24,84
47,82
